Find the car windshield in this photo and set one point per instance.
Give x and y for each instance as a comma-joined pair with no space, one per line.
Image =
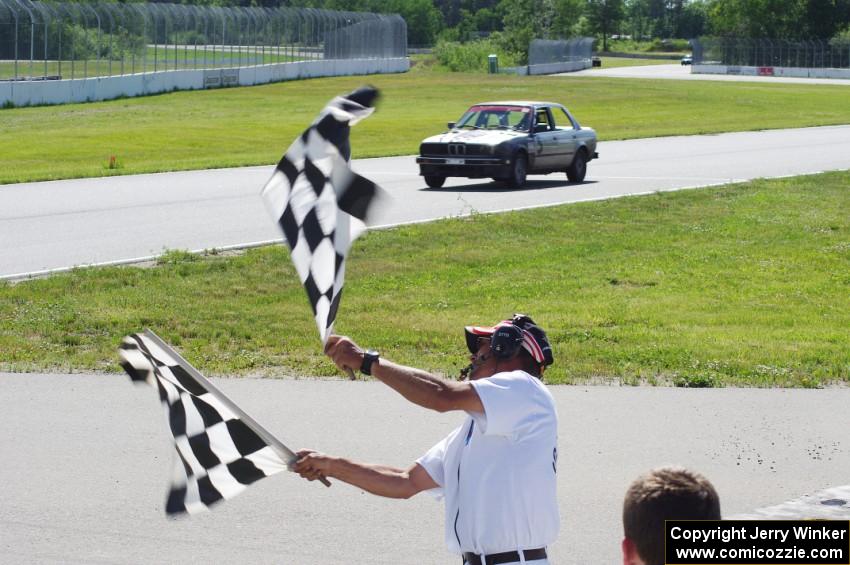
496,117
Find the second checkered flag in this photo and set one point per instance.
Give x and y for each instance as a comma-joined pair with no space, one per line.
220,450
320,204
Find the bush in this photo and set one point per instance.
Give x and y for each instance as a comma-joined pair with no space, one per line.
656,45
841,37
190,37
472,56
669,45
81,43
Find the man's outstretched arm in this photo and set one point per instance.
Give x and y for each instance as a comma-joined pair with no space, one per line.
417,386
381,480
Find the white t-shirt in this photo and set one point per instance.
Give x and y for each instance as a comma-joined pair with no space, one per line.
497,471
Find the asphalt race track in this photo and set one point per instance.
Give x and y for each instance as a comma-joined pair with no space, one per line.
61,224
86,462
683,72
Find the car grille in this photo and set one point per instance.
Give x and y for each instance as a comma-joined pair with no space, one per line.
459,149
434,149
473,149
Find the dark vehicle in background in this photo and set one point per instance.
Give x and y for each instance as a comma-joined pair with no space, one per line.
507,141
687,60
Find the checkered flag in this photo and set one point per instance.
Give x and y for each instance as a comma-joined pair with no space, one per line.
320,204
220,449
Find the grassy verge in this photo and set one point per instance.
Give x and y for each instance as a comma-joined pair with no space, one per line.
160,59
677,47
251,126
745,284
613,62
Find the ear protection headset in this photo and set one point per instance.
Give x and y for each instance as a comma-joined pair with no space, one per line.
506,341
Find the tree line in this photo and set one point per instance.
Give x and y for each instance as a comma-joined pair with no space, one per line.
520,20
649,19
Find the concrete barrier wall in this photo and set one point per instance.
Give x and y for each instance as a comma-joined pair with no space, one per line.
797,72
30,93
554,68
550,68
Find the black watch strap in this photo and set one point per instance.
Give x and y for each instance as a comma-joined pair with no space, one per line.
368,358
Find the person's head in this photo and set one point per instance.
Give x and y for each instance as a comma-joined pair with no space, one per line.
666,493
512,344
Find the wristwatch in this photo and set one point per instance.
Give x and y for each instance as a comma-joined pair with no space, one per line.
368,358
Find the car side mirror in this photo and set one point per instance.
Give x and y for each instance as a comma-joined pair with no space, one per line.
451,125
541,128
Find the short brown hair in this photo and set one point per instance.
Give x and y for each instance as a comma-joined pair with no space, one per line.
666,493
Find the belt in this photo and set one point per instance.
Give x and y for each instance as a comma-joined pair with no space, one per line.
506,557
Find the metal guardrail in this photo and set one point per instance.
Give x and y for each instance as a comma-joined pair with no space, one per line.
79,40
738,51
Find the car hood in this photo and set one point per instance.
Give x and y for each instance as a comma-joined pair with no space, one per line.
482,136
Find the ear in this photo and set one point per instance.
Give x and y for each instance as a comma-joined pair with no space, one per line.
630,554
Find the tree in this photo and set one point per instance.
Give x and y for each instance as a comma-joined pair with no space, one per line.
525,20
758,18
825,18
517,26
450,10
487,19
693,21
422,17
638,18
604,17
568,15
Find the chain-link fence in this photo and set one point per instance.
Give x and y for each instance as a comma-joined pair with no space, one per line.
51,40
545,51
813,54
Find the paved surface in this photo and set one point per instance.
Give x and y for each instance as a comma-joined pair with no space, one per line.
86,461
683,72
56,225
827,504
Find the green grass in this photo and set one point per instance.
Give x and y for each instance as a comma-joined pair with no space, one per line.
161,59
677,47
251,126
746,284
613,62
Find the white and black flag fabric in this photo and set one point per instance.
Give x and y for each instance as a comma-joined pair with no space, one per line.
220,449
320,204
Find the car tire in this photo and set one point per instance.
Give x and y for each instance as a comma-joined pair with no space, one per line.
434,181
578,169
519,171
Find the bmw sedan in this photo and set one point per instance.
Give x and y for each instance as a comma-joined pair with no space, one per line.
507,141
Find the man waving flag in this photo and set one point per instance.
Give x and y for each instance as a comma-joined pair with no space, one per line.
320,204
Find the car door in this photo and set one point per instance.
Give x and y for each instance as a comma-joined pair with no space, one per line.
545,141
566,138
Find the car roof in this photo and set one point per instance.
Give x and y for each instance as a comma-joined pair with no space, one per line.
519,103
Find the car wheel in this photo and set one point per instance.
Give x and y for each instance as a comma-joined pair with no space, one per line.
434,181
578,168
519,171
